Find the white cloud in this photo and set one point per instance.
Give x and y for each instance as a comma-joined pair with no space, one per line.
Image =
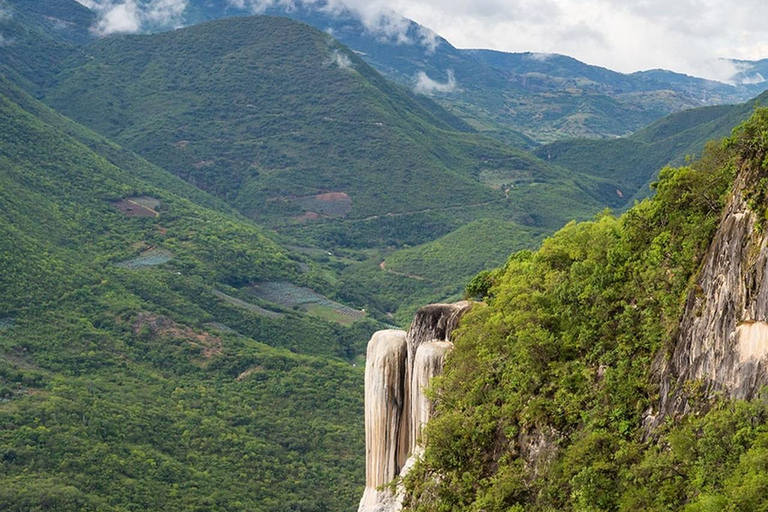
683,35
428,39
378,19
540,57
341,60
425,85
757,78
130,16
121,18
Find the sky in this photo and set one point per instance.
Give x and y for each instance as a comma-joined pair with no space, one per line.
688,36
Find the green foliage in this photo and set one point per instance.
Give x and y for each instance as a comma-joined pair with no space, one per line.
267,122
633,162
141,388
555,371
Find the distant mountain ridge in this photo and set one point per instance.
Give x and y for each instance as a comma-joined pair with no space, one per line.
634,161
520,98
517,97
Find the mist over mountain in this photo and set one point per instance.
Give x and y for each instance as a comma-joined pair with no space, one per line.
513,96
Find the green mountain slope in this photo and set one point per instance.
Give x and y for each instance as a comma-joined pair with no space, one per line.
267,113
544,400
37,36
516,97
633,162
134,373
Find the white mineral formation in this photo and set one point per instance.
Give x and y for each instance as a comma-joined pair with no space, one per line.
428,363
398,369
384,390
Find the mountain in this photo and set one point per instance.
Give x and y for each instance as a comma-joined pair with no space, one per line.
37,36
621,366
299,134
136,370
520,98
750,72
634,161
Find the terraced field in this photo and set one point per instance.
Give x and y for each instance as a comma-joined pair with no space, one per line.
292,296
329,204
149,258
247,305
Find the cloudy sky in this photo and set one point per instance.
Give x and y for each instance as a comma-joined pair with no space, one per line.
626,35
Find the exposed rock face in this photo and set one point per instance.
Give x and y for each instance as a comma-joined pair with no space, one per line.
398,369
435,322
723,337
428,362
384,391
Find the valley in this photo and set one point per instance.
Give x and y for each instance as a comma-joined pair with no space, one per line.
204,219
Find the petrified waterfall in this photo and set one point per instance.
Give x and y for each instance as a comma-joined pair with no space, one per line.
384,393
398,369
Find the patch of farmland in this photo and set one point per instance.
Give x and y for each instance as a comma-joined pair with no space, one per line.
139,206
149,258
247,305
329,204
152,203
291,296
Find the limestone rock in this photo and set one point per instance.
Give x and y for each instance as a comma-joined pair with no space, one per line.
398,369
428,362
432,322
384,391
722,341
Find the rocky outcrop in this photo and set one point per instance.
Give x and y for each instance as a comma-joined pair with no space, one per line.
398,369
428,362
722,343
384,392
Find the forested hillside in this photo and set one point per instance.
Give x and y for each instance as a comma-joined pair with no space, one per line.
135,373
634,161
548,400
269,122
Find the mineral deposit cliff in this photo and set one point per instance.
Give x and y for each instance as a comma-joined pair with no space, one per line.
399,366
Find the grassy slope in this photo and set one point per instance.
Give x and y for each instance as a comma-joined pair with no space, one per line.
102,410
435,271
458,256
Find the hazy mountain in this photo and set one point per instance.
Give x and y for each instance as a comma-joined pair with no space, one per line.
513,96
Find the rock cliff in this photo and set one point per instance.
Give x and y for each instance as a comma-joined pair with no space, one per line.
721,347
399,366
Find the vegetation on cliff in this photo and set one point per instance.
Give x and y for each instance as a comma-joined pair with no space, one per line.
542,403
